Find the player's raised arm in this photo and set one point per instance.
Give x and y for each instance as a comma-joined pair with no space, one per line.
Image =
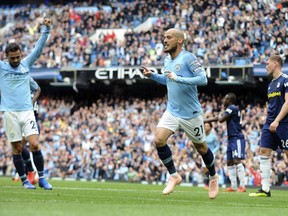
32,57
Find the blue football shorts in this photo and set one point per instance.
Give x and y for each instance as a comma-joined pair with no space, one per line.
236,148
274,140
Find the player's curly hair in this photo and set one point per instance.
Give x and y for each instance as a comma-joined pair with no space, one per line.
12,47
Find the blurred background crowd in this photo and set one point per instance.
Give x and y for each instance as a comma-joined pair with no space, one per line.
111,139
218,32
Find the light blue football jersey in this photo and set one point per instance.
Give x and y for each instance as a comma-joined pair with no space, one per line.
33,85
212,142
15,82
183,99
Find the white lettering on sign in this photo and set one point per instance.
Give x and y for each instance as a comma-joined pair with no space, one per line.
120,73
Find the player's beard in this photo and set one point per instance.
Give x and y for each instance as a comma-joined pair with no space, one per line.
171,49
14,65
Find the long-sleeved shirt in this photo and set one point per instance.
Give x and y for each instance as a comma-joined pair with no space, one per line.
15,82
212,142
183,99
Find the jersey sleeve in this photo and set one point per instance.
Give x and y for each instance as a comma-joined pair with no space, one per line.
286,85
32,57
33,85
194,65
199,75
229,111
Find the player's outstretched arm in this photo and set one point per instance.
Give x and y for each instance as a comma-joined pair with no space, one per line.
209,120
32,57
146,71
154,76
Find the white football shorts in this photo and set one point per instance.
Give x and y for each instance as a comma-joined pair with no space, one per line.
19,123
194,128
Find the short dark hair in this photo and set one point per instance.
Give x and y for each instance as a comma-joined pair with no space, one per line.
232,97
209,124
12,47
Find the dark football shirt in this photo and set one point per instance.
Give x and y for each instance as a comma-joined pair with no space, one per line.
276,98
234,127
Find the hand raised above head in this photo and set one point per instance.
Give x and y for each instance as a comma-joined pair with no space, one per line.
47,22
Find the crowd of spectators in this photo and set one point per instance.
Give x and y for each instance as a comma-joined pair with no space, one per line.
218,32
112,139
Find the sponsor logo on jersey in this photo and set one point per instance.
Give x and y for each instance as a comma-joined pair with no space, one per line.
274,94
15,76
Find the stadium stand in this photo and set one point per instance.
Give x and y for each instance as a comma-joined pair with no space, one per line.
111,138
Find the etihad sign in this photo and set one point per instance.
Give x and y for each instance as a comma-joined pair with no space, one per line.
122,73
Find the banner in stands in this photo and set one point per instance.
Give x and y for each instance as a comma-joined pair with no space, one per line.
122,73
136,72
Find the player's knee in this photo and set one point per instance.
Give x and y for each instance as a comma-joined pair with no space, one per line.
230,162
158,141
201,149
34,146
17,148
265,152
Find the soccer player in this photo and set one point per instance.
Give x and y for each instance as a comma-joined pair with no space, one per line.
183,73
236,142
31,174
17,106
275,129
213,143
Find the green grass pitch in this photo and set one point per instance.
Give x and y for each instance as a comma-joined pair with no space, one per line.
132,199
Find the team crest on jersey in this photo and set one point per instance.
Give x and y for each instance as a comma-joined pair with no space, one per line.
278,85
177,67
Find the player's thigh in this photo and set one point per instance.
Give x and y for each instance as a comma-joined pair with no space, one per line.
236,148
282,136
168,121
167,125
29,123
268,140
194,129
12,126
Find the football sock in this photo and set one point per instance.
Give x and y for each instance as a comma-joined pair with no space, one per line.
27,159
265,168
241,174
39,162
20,168
208,159
232,176
165,155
